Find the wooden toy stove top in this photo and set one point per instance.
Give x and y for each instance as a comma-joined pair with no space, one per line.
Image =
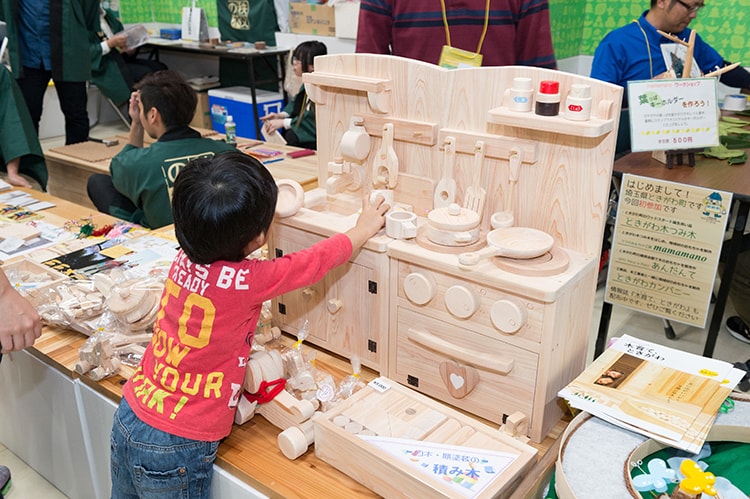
553,262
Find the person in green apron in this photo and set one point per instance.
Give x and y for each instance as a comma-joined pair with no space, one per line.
139,188
114,69
296,122
46,40
20,151
248,21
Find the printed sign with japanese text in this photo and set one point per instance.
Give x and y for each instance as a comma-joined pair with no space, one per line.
673,114
666,247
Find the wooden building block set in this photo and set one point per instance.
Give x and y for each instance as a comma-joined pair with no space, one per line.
482,298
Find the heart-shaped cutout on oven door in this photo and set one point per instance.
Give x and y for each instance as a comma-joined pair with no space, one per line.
459,380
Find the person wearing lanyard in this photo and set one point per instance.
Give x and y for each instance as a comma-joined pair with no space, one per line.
634,52
503,32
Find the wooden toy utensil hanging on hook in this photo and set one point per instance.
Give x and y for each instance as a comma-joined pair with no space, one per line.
475,195
385,168
445,192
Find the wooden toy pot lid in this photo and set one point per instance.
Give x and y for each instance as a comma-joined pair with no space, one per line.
453,218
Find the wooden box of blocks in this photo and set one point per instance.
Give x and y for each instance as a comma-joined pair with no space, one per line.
31,278
400,443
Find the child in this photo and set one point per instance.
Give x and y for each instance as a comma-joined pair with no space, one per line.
296,122
180,402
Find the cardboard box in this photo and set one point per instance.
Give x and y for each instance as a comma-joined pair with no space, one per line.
237,102
347,19
202,117
312,19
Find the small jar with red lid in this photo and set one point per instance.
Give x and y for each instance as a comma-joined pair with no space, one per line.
548,98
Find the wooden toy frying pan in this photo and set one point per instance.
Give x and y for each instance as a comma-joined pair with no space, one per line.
511,242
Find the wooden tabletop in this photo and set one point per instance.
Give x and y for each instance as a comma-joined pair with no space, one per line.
708,172
94,157
228,51
251,452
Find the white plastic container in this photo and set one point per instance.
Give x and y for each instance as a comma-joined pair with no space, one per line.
578,103
520,95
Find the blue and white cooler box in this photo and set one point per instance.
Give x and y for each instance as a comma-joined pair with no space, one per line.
238,103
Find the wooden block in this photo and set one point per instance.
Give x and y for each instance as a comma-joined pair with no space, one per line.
444,432
285,410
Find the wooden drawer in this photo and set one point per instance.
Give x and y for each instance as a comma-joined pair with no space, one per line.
528,314
444,361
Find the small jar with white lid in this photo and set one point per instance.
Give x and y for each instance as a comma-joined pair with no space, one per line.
578,103
520,95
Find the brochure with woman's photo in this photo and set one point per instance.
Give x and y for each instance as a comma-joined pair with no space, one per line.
669,395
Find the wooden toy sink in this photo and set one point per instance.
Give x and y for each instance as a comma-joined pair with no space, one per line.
341,204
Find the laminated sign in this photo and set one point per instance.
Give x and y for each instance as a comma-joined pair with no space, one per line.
194,25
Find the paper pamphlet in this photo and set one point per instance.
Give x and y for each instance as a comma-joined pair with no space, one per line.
666,394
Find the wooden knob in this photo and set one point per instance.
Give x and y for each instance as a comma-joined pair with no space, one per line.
461,302
508,315
419,288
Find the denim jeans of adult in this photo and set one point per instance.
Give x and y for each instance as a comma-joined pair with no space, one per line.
148,463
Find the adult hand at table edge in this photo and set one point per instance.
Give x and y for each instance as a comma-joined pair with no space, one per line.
21,325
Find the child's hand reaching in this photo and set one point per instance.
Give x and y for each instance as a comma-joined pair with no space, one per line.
369,222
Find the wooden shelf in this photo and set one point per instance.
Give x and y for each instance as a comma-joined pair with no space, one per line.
593,127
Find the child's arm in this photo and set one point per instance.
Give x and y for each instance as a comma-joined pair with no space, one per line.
369,222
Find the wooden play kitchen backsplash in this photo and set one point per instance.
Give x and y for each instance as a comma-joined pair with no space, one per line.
441,312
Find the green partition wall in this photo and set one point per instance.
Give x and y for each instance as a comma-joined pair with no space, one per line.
577,25
722,23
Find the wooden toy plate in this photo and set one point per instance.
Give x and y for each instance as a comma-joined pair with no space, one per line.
291,197
520,242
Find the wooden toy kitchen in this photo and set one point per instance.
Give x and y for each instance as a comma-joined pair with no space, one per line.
479,292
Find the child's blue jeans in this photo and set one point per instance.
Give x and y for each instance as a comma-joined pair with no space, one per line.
149,463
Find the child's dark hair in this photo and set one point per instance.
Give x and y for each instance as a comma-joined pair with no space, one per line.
220,204
306,52
168,92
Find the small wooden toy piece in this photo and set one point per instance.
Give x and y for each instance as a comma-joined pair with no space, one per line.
295,440
136,307
721,71
474,196
514,167
285,410
517,426
445,191
385,167
695,483
460,380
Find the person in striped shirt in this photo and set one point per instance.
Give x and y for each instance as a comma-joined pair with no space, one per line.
517,31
